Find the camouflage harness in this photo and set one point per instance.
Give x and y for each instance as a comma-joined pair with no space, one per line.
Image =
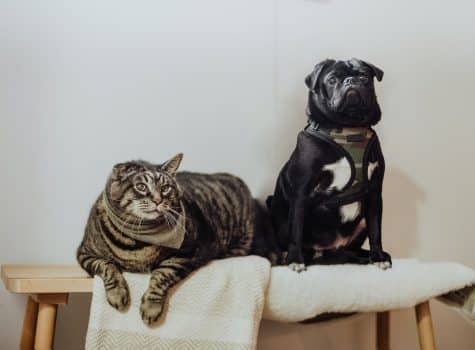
353,144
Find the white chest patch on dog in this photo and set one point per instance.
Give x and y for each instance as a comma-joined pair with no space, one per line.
371,168
341,171
350,212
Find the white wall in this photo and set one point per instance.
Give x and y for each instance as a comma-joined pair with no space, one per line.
85,84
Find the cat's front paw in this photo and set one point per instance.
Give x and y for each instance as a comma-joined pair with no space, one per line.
150,310
119,297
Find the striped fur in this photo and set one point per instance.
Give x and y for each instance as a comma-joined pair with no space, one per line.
142,199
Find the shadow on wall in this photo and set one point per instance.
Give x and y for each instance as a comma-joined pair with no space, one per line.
402,197
71,325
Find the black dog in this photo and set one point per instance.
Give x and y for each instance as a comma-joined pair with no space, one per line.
327,199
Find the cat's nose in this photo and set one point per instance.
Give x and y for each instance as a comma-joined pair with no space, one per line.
157,200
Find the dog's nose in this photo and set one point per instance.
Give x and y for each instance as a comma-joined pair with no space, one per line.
353,97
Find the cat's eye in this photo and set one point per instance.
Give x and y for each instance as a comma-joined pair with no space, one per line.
141,187
166,190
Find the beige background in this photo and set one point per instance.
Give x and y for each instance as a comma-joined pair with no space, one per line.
85,84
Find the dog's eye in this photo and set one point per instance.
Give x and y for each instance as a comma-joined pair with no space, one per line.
331,80
364,79
141,187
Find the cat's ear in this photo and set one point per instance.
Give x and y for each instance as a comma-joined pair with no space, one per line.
171,165
115,180
118,170
122,171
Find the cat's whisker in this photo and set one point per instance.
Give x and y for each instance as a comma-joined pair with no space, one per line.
166,216
178,222
170,219
139,223
132,219
176,212
179,215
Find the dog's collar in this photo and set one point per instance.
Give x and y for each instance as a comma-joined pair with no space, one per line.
313,126
342,134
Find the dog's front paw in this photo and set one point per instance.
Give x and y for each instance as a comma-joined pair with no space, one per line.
381,259
119,297
150,310
297,267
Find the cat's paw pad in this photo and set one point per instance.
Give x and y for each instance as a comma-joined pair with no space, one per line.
297,267
150,311
383,265
118,297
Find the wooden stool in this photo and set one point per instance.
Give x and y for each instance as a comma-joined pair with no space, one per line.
39,322
48,286
424,328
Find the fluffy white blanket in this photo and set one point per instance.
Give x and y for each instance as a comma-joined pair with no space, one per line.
220,306
295,297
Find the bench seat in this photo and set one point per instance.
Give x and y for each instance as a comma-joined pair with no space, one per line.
46,279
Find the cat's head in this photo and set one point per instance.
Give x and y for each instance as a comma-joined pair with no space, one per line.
145,191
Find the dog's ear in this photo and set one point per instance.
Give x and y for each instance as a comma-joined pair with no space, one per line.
312,79
377,72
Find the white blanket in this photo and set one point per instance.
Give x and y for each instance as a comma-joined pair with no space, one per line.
295,297
220,306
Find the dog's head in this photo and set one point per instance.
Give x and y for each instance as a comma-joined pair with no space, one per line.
342,93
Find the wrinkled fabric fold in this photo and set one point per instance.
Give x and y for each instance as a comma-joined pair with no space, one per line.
217,307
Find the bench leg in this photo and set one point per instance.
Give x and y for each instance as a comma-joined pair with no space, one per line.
424,326
29,325
382,330
45,326
46,320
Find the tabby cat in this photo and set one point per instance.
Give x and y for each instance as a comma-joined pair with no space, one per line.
149,218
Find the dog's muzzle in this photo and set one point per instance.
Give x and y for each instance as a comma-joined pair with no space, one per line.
352,98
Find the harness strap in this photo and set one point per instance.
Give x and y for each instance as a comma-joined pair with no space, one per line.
355,144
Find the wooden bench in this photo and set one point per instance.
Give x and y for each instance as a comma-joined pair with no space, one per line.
48,286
